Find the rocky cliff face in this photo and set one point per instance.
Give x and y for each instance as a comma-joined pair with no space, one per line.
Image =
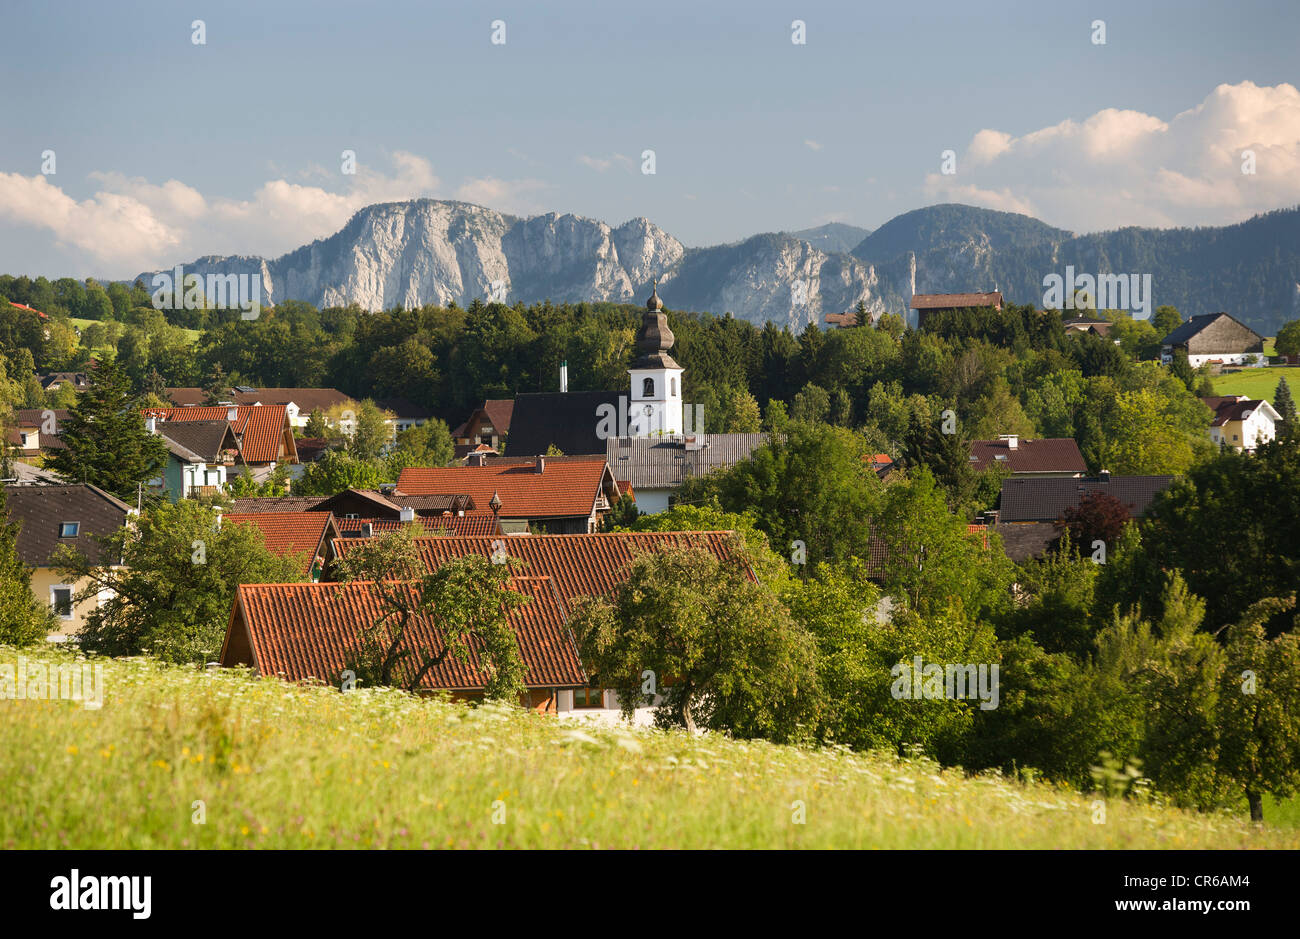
406,254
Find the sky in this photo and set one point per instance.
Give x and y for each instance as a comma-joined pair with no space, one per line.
164,149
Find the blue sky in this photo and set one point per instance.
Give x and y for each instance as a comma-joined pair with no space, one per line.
165,149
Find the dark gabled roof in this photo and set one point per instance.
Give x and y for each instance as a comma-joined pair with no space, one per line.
302,632
198,440
34,417
1044,499
1050,455
567,420
664,462
377,501
404,409
42,509
1196,324
1235,408
1024,540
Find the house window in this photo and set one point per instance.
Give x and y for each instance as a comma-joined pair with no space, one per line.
648,388
593,697
672,387
61,600
69,529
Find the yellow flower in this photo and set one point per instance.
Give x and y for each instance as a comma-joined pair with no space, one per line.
73,750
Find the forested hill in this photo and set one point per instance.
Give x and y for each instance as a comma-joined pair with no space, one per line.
1251,270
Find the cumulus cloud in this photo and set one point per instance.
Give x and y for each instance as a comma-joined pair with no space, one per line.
1123,167
131,224
505,195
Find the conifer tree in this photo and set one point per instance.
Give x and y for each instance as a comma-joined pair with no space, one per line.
1284,404
105,439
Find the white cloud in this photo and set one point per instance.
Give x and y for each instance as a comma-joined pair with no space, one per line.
504,195
1123,167
812,145
595,163
130,224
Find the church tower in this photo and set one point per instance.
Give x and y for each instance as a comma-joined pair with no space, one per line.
655,404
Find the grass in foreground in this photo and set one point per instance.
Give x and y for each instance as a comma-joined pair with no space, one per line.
279,766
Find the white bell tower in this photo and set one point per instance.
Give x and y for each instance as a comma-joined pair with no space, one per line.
654,406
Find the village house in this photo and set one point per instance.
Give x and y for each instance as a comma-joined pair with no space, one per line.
263,432
77,381
1029,506
487,426
1216,338
578,565
656,467
1052,456
307,536
299,403
1081,324
1241,423
925,304
201,457
36,431
306,632
560,495
73,515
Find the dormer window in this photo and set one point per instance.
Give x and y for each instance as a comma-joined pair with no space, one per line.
648,388
69,529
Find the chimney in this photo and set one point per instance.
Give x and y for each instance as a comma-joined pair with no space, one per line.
232,414
495,504
407,514
564,376
367,530
541,464
477,458
1104,476
1013,440
151,424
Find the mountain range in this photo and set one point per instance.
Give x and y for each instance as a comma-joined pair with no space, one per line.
431,251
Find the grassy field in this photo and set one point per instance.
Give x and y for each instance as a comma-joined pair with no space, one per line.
191,334
276,766
1257,383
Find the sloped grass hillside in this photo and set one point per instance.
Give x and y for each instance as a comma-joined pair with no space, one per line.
178,757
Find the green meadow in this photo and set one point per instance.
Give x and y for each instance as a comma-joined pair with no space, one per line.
1257,383
182,758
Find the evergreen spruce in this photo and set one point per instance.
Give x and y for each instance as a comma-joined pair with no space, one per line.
1284,404
105,438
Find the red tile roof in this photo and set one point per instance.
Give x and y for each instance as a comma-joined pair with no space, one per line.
580,565
23,306
564,488
478,523
262,428
305,631
1051,455
291,533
